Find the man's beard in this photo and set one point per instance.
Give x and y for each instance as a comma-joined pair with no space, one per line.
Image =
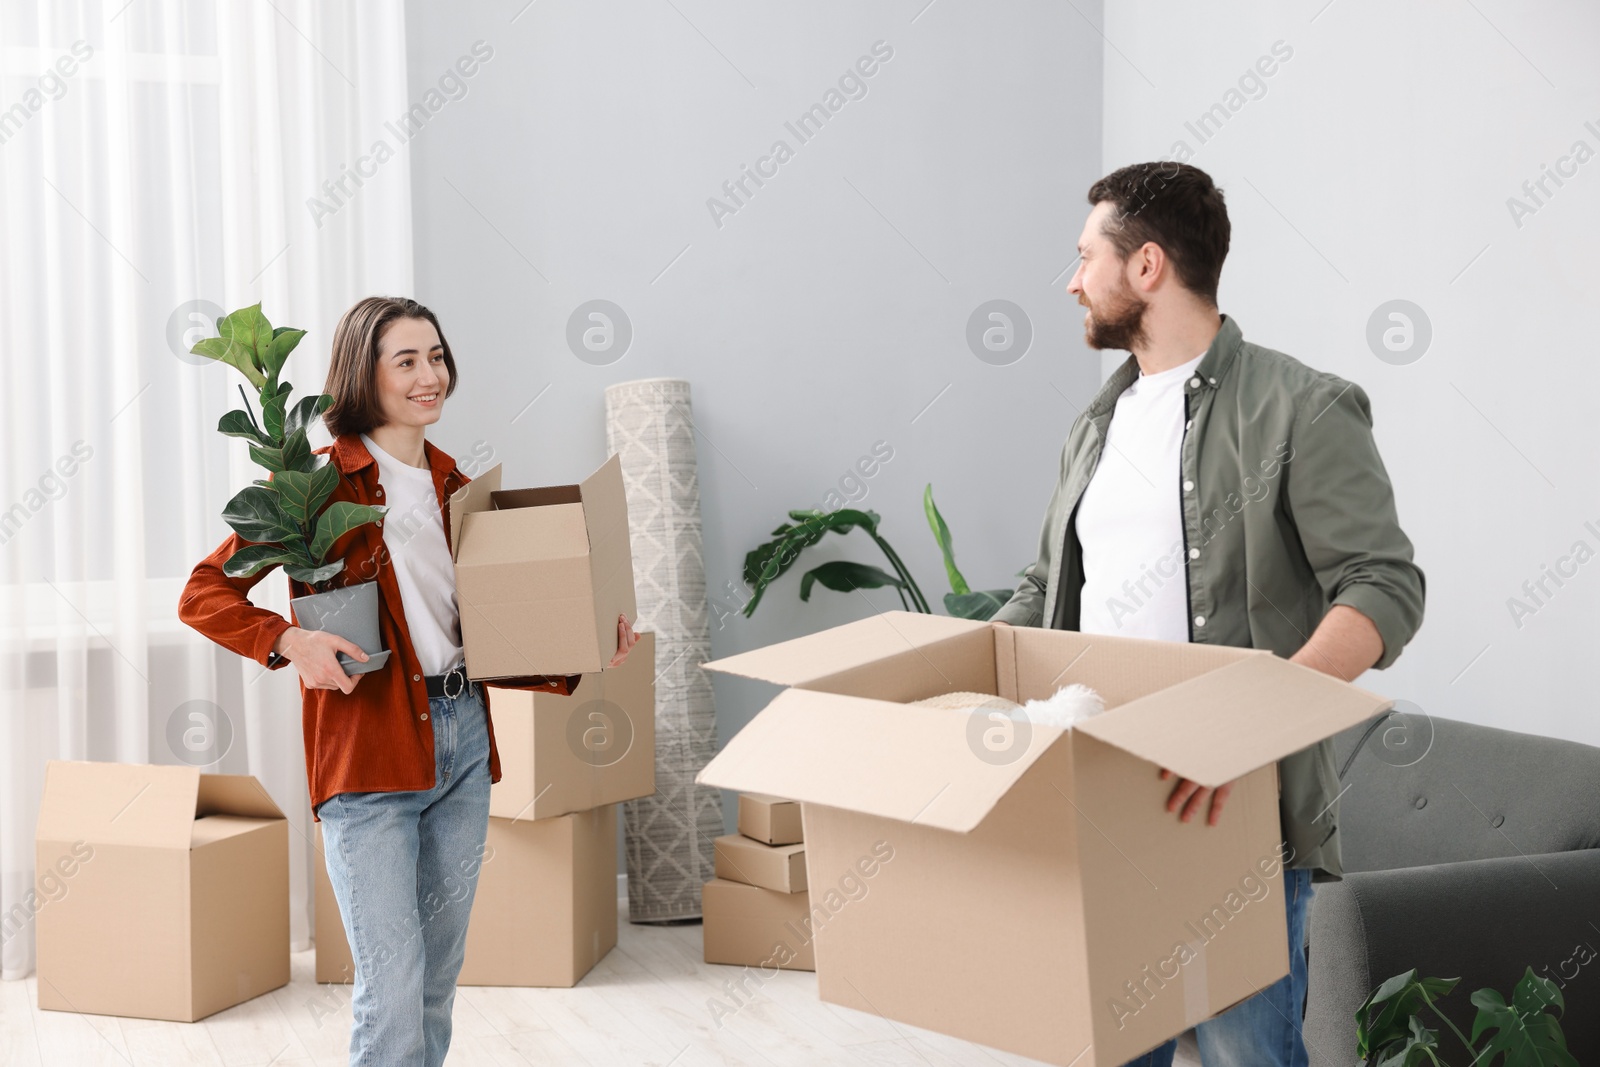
1119,324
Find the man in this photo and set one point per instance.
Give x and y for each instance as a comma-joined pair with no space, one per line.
1220,492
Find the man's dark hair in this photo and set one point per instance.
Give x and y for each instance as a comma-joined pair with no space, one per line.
1176,206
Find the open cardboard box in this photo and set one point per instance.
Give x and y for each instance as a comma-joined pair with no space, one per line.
1028,889
165,891
563,753
541,574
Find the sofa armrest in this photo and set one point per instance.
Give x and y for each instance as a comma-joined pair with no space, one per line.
1484,921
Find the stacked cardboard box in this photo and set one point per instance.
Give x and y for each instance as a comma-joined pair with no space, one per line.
757,912
162,893
545,910
1036,896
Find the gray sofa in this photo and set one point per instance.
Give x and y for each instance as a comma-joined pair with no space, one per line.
1469,852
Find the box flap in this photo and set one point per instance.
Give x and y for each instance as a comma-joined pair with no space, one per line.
803,660
1223,724
915,764
605,503
235,794
118,804
474,496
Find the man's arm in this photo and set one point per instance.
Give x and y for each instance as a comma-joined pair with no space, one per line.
1345,644
1338,495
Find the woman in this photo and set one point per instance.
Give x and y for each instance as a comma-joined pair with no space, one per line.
398,761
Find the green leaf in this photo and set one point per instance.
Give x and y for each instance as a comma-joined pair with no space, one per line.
257,515
249,328
284,340
252,558
309,408
340,518
225,350
1523,1036
1384,1017
941,534
846,577
272,414
1536,993
297,452
303,492
237,423
315,575
980,605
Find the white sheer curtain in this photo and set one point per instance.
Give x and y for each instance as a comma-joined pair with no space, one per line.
158,163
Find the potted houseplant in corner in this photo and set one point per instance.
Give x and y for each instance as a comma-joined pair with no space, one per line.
764,563
284,515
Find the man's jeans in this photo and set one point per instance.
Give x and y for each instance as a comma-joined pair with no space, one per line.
404,867
1263,1031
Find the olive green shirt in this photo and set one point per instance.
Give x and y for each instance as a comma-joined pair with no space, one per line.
1287,510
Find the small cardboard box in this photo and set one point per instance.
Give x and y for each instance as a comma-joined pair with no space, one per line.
164,892
771,820
560,754
753,927
778,867
1032,893
541,574
544,914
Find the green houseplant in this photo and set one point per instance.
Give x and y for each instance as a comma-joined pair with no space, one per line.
1391,1031
287,516
766,562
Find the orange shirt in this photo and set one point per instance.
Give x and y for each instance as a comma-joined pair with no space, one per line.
373,739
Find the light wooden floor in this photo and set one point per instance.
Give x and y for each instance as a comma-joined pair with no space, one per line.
645,1004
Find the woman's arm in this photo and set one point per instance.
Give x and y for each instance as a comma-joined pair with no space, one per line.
219,607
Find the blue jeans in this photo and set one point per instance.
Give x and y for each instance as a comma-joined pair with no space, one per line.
1263,1031
404,868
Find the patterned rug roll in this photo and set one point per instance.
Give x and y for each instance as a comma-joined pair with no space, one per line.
668,836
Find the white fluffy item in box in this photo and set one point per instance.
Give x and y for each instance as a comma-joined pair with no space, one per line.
1068,705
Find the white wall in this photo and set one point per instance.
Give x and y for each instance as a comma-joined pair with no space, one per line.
821,318
1377,165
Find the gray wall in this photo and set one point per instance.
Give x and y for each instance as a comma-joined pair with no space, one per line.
1374,164
825,316
1377,165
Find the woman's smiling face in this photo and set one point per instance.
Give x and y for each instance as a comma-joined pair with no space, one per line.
411,369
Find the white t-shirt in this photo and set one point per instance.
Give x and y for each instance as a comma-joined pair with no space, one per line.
1130,518
413,534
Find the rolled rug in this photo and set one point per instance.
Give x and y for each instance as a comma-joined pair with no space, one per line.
668,836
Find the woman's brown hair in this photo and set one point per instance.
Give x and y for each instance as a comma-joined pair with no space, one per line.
353,372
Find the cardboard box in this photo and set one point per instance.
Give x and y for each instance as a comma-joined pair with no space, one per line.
164,892
777,867
544,914
746,925
1020,885
560,754
541,574
769,819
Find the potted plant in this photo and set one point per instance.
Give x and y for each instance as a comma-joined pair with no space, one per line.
764,563
284,515
1391,1032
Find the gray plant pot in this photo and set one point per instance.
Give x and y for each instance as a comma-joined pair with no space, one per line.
352,613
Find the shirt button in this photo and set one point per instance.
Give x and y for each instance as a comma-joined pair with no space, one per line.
424,716
380,492
1194,383
1188,486
1213,381
1188,424
1194,553
1199,620
416,677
